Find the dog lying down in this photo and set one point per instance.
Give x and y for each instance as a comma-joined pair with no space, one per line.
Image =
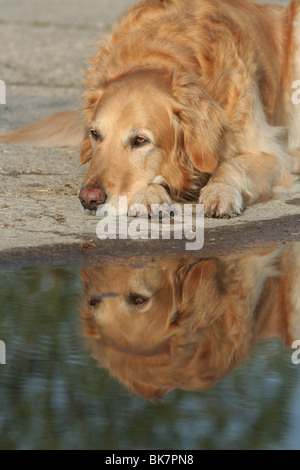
186,323
187,100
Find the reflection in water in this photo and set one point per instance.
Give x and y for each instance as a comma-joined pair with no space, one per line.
53,397
185,323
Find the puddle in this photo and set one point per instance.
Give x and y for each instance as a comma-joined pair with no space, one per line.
173,353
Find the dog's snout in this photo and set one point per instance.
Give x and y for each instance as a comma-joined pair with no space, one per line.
92,196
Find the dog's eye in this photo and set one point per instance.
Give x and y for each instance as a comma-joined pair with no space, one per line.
94,134
139,141
137,299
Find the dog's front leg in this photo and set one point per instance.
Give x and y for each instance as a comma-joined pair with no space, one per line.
241,181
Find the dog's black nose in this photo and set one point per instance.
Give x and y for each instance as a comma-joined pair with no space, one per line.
92,196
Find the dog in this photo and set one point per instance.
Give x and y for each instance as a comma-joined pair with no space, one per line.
188,100
186,323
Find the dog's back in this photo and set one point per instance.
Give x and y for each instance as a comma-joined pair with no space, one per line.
270,38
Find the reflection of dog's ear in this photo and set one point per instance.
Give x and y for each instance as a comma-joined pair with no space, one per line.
199,288
205,270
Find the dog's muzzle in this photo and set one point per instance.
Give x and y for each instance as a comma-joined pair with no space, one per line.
92,196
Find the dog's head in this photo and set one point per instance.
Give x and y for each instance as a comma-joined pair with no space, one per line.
180,324
149,126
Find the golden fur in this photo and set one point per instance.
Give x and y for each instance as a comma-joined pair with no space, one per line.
199,319
208,85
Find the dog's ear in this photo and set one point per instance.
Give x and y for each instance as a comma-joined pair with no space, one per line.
91,101
202,121
86,151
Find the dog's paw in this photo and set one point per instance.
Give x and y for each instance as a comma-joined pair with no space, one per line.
144,203
221,200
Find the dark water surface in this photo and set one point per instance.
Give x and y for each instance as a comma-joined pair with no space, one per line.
54,395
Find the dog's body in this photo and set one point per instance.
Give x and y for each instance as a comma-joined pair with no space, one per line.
193,98
186,323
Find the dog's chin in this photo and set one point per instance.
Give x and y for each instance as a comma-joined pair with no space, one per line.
87,211
102,210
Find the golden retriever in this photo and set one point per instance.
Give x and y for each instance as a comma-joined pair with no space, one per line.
189,100
186,323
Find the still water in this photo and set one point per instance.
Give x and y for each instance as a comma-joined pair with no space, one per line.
188,341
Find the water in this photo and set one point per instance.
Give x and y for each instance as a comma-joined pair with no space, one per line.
55,395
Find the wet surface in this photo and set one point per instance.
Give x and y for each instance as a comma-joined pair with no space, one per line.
189,351
217,241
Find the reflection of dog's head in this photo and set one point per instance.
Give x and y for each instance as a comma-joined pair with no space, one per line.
180,324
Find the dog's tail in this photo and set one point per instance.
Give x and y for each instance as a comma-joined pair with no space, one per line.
61,129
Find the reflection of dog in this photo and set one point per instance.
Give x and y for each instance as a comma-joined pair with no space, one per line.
184,97
186,324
